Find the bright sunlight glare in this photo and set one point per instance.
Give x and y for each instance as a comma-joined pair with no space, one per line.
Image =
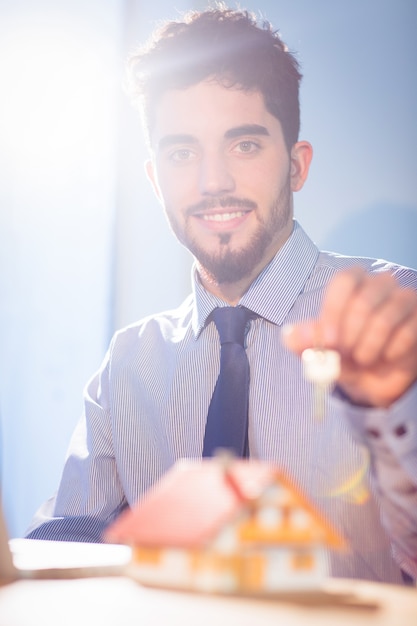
55,76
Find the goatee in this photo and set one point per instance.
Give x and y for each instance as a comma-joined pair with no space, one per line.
229,265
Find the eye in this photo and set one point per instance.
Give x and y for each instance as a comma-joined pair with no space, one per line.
247,146
181,155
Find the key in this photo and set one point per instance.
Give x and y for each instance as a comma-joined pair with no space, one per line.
322,368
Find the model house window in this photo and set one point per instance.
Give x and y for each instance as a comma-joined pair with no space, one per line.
302,561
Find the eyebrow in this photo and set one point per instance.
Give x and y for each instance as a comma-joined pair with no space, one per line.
246,129
172,140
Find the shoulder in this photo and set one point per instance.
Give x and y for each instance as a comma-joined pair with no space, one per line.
329,263
163,327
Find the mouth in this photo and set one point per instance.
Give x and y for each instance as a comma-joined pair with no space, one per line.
222,213
222,217
222,221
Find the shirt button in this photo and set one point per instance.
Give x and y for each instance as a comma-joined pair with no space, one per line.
400,431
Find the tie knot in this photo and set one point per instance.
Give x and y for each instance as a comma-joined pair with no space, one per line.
231,323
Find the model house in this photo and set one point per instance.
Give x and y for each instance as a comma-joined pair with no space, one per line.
226,525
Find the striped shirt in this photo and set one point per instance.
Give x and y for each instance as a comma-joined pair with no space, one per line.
147,406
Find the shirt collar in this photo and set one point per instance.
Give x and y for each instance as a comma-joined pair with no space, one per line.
273,293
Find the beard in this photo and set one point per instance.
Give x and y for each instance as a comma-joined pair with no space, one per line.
229,265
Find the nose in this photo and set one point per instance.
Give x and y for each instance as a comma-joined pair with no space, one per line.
215,176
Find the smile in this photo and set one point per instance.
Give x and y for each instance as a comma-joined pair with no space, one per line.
223,217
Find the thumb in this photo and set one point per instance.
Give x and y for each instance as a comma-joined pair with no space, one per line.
299,337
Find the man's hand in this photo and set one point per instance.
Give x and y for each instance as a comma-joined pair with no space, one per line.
372,322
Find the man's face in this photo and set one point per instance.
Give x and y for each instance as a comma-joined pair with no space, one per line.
224,175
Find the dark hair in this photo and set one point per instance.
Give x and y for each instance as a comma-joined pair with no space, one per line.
227,45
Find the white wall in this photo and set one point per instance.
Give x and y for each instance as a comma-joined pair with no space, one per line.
60,68
84,247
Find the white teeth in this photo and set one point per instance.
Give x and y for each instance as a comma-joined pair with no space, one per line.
223,217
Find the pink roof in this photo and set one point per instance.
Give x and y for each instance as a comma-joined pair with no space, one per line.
191,502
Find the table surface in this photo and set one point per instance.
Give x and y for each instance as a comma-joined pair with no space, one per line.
121,600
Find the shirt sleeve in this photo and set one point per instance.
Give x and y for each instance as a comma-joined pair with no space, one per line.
90,495
391,438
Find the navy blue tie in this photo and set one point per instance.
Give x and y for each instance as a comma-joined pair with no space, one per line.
227,419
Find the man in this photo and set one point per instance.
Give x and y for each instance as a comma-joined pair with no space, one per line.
219,98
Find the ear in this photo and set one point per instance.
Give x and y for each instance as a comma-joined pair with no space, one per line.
301,155
151,175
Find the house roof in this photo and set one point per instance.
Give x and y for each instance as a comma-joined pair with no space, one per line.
195,499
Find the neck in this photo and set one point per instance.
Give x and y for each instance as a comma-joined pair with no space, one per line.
229,292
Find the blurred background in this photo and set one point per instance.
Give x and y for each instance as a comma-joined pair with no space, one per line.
84,248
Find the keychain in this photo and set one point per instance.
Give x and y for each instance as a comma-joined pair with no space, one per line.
322,368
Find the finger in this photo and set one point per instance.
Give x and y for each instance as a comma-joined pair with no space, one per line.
404,342
300,336
325,332
338,294
371,303
390,332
